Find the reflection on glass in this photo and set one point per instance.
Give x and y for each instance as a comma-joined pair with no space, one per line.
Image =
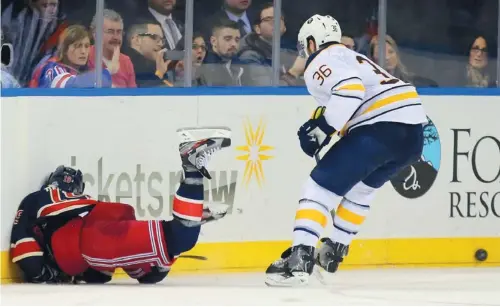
33,29
444,43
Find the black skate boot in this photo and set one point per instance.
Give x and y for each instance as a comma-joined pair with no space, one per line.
195,155
329,256
293,269
278,266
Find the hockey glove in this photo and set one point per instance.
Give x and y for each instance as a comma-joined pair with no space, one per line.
315,133
48,275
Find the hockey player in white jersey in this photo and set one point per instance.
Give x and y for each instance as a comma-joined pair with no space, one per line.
380,121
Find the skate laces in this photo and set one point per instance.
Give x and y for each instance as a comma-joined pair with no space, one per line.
205,157
280,262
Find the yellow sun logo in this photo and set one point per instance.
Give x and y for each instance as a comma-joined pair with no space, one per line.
255,152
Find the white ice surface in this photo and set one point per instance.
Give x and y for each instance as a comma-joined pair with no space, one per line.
473,286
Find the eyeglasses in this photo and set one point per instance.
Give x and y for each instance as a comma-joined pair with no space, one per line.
202,47
477,49
154,37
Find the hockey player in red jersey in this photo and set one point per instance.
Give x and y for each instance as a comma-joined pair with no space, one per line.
60,234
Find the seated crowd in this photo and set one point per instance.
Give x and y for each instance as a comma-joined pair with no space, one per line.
143,46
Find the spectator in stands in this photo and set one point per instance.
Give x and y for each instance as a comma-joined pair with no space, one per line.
256,53
221,67
199,52
47,8
234,10
7,79
477,72
112,42
145,48
394,65
34,26
69,67
160,12
348,41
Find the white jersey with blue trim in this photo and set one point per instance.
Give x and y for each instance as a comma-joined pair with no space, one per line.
358,92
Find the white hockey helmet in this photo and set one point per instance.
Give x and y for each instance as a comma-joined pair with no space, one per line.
323,29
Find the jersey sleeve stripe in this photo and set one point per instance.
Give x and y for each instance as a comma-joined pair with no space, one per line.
24,240
25,248
60,80
54,195
352,87
26,255
55,209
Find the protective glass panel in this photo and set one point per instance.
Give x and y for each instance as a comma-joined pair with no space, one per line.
442,43
357,18
152,42
45,43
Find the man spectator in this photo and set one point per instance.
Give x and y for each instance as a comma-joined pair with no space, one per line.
220,67
348,41
124,76
234,10
256,53
145,42
160,12
47,8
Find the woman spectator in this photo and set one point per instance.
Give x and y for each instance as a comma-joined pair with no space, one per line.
199,51
394,65
477,72
69,67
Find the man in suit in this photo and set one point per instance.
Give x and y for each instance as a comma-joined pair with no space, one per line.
232,10
145,42
160,12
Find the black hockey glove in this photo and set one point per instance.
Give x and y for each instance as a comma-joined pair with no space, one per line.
51,276
315,133
48,274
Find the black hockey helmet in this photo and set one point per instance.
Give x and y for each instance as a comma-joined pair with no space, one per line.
67,179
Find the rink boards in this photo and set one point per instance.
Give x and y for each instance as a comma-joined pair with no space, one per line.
437,213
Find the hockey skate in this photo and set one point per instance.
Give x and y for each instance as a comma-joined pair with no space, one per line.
292,269
197,150
328,258
197,147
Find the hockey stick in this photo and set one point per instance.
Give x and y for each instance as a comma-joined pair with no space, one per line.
195,257
316,157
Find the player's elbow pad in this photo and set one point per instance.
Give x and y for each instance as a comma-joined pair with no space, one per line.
32,269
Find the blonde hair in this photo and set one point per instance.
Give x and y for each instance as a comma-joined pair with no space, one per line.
71,35
400,67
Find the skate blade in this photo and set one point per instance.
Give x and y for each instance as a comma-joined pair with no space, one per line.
190,134
278,280
216,207
324,277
